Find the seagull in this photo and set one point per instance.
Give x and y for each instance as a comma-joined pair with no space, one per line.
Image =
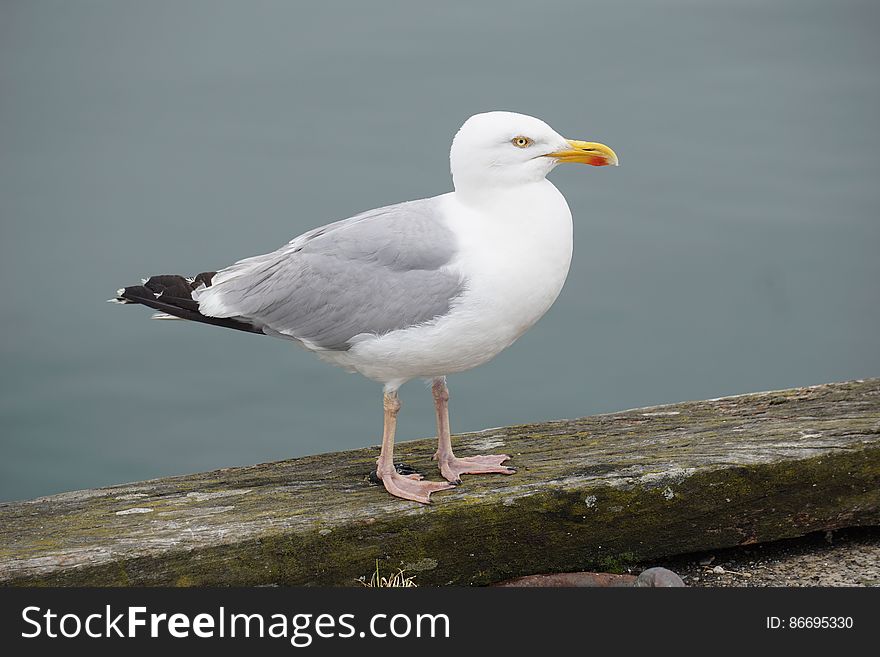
421,289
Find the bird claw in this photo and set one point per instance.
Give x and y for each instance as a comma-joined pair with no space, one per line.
402,468
453,467
410,487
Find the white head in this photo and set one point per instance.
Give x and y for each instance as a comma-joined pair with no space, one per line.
503,149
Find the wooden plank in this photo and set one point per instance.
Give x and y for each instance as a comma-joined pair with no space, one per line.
590,494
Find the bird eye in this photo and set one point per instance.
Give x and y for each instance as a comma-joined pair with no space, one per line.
521,142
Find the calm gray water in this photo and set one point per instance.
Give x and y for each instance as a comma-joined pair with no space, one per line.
735,249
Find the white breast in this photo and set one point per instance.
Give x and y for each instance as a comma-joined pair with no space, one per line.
514,258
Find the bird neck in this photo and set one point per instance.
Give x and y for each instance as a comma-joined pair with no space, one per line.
476,180
496,194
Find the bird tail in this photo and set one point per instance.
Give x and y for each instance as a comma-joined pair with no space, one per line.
172,296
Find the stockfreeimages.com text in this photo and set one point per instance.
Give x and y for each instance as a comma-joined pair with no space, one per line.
300,629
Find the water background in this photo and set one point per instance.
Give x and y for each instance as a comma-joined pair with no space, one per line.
735,249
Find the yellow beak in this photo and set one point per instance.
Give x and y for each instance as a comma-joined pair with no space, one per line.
586,152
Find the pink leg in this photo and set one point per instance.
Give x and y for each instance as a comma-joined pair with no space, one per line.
409,487
452,467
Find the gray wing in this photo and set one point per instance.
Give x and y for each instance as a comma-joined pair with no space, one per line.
373,273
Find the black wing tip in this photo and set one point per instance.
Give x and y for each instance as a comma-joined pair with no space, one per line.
171,285
172,294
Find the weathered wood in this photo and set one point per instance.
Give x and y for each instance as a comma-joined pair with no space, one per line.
590,494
